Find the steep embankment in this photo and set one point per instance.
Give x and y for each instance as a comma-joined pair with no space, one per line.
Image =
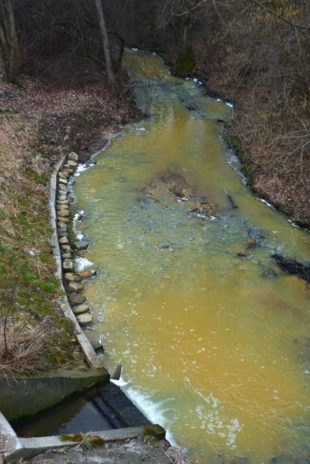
38,125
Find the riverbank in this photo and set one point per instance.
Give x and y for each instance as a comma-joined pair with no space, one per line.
40,124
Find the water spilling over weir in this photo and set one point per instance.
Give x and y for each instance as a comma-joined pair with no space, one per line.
214,340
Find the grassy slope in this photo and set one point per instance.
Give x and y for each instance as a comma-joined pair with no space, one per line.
37,127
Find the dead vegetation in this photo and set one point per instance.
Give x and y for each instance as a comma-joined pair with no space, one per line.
40,123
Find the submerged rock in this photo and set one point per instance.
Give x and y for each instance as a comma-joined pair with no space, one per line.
252,242
244,254
270,273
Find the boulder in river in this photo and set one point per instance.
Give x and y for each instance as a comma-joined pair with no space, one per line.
85,319
87,274
80,309
76,298
244,254
251,242
270,273
71,277
76,287
79,246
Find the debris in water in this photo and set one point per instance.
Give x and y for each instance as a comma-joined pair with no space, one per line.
293,267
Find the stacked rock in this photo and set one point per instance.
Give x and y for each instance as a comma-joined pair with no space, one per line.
74,282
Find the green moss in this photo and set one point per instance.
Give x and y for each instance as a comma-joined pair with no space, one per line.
89,440
97,441
77,438
149,431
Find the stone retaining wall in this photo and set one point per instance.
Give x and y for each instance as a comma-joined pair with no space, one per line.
60,220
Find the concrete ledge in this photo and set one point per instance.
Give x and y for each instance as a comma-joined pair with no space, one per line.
30,447
9,443
28,396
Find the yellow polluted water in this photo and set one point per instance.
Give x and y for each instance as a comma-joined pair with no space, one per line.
213,339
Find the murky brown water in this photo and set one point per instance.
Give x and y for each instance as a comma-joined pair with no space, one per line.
211,349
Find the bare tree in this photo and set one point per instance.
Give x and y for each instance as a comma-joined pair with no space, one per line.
9,49
105,43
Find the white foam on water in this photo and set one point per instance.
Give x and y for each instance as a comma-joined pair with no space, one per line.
266,203
82,263
229,104
153,411
135,49
81,168
293,224
121,382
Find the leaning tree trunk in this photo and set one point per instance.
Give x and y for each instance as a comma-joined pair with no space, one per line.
106,44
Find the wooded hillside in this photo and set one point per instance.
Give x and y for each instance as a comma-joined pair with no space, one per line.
256,53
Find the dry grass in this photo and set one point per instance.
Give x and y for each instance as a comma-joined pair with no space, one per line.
22,350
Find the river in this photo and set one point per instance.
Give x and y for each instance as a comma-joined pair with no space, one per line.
213,338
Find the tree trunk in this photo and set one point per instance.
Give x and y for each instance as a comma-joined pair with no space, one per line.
3,74
105,43
12,39
9,50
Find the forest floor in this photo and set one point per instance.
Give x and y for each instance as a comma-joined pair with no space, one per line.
274,150
39,124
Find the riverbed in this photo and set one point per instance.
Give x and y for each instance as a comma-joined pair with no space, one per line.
214,340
